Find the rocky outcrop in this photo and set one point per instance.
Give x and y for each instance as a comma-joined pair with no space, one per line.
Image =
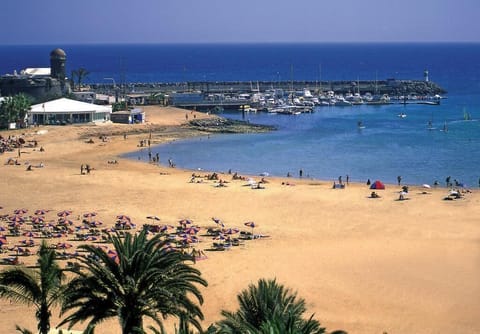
222,125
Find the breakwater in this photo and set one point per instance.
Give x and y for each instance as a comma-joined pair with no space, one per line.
391,87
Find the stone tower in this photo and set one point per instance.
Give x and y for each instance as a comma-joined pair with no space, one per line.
57,64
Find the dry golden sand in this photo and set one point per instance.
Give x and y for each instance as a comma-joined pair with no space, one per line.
363,265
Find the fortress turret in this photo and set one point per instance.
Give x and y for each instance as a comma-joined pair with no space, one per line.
57,64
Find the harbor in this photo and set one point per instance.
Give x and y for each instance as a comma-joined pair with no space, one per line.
289,97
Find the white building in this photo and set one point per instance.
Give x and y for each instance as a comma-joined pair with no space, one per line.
66,111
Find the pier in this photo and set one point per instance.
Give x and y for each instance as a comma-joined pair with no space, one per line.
216,96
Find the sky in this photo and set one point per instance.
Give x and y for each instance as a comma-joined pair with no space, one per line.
245,21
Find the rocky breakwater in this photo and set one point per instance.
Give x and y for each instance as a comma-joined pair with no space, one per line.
223,125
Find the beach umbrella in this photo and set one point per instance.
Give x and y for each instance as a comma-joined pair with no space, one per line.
29,234
192,230
427,186
64,222
95,223
252,225
64,213
113,255
63,245
2,229
16,219
29,242
164,228
123,217
153,218
3,240
41,212
185,222
230,230
218,221
220,237
37,219
20,211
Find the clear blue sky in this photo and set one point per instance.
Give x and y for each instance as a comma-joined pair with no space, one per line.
207,21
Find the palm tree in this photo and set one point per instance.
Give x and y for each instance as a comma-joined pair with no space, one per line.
268,307
144,280
79,74
14,109
40,287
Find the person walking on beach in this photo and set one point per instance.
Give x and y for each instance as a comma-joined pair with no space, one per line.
399,179
340,179
81,169
300,173
348,179
447,181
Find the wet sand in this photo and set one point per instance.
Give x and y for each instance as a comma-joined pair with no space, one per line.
363,265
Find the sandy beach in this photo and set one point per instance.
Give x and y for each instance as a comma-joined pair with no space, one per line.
363,265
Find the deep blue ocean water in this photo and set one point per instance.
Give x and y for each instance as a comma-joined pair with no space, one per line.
326,143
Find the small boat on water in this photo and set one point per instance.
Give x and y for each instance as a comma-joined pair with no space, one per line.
402,115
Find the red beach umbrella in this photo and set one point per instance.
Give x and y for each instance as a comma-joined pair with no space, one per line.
63,245
3,240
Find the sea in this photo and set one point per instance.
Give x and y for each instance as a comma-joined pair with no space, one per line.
324,144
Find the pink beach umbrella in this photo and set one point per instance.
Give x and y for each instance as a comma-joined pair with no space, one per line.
40,212
89,215
16,219
21,211
63,245
114,256
230,230
64,213
3,240
95,223
64,222
123,217
29,234
153,218
192,230
220,237
185,222
38,219
251,225
28,242
218,222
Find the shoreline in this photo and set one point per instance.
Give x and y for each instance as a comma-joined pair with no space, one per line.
363,265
